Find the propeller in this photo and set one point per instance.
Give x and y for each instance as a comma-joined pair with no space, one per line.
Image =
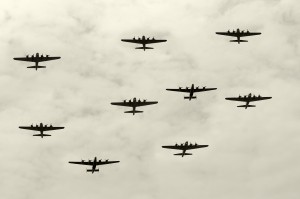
204,87
106,160
180,88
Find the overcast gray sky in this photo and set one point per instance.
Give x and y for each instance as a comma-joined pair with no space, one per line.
252,153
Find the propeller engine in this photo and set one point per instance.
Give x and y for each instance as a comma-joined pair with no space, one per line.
106,160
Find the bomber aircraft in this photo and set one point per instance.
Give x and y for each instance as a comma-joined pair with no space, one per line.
94,164
191,91
134,103
238,34
41,128
247,98
184,147
36,59
143,41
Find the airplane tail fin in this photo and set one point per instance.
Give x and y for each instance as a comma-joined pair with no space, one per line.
183,154
194,97
41,135
238,41
246,106
133,112
143,48
91,170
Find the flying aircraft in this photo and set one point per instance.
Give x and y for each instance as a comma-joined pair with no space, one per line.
94,164
134,103
191,91
143,41
184,147
238,34
37,58
41,128
247,98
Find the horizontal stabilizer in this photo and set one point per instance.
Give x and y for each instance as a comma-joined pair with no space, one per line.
91,170
36,67
246,106
194,97
41,135
183,154
238,41
143,48
133,112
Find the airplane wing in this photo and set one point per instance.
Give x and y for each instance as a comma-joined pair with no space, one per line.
41,59
152,41
259,99
189,147
51,128
136,41
196,146
92,163
106,162
240,99
32,128
246,34
240,34
28,59
130,104
147,41
145,103
231,34
178,147
82,162
203,89
185,90
36,59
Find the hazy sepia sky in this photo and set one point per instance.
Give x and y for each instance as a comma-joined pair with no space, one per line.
252,153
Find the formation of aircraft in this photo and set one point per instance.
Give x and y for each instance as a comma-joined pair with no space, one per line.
93,163
191,91
134,103
36,59
184,147
238,34
247,98
41,128
144,41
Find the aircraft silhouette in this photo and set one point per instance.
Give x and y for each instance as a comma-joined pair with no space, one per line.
93,163
238,34
36,59
144,41
134,103
191,91
248,98
41,128
184,147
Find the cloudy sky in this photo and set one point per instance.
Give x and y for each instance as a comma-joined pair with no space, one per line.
252,153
